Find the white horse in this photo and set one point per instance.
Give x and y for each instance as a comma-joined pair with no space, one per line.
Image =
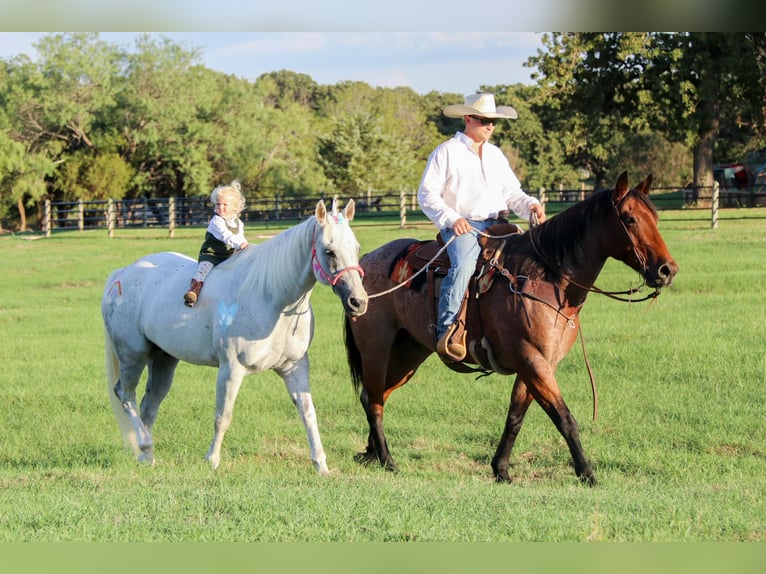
253,314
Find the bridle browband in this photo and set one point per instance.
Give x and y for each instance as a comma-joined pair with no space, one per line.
330,278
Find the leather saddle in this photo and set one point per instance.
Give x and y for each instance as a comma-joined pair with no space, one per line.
409,267
432,253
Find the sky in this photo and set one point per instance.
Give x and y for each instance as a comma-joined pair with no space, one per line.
450,62
380,43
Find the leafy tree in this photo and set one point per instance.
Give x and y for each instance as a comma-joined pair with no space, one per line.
359,156
537,158
376,139
291,88
28,154
685,85
285,160
433,104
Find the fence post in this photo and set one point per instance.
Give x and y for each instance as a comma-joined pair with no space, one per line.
80,215
541,197
171,217
47,218
714,206
110,218
402,209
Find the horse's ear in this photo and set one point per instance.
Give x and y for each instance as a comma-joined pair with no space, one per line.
320,212
621,188
644,186
350,210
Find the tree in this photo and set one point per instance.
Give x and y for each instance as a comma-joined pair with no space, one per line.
537,158
27,154
375,139
687,86
291,88
165,109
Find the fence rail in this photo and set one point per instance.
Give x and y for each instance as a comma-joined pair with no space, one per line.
176,212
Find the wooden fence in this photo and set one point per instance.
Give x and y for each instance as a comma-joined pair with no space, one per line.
174,212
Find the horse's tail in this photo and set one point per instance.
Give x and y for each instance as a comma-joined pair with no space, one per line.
353,356
112,376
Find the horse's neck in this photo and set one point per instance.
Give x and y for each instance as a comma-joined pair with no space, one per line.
281,267
576,262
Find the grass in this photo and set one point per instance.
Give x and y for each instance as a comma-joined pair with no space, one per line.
677,446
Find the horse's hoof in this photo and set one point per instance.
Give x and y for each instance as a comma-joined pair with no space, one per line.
146,456
503,478
366,458
589,480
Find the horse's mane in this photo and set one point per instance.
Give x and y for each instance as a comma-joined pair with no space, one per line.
561,242
275,264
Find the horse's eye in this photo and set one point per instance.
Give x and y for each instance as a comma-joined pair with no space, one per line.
628,219
329,253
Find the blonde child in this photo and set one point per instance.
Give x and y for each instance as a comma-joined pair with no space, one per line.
225,234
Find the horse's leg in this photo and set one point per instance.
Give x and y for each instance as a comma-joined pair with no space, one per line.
377,446
297,382
125,390
405,356
162,367
370,454
546,392
520,401
227,387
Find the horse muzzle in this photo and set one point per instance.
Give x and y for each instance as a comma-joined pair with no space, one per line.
661,275
352,295
355,306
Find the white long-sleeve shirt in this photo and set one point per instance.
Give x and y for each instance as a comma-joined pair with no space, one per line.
458,183
230,232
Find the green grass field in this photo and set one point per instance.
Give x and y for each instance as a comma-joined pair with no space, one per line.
678,446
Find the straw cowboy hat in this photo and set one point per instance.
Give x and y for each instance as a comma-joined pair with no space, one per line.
480,105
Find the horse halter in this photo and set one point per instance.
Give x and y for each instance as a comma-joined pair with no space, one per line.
330,278
640,258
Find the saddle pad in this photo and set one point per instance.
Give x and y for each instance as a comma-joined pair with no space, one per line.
412,259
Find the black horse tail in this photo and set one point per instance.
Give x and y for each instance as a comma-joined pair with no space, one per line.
353,357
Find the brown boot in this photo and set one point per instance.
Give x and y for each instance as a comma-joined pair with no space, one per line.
190,298
452,349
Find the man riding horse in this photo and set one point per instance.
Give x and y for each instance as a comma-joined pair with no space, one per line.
466,185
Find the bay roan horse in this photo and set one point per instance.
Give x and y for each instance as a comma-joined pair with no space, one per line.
254,314
524,323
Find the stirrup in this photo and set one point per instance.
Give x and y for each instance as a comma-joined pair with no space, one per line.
454,350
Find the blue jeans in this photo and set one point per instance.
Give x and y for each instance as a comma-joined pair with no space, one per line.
463,253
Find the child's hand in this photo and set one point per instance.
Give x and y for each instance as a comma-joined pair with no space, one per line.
243,245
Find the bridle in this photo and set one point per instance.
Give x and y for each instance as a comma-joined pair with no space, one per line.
624,296
330,278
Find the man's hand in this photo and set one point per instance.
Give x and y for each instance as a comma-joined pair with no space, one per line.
539,211
461,226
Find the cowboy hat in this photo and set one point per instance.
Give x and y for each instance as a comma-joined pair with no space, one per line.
480,105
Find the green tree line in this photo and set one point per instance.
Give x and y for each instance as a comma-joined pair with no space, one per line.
93,120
